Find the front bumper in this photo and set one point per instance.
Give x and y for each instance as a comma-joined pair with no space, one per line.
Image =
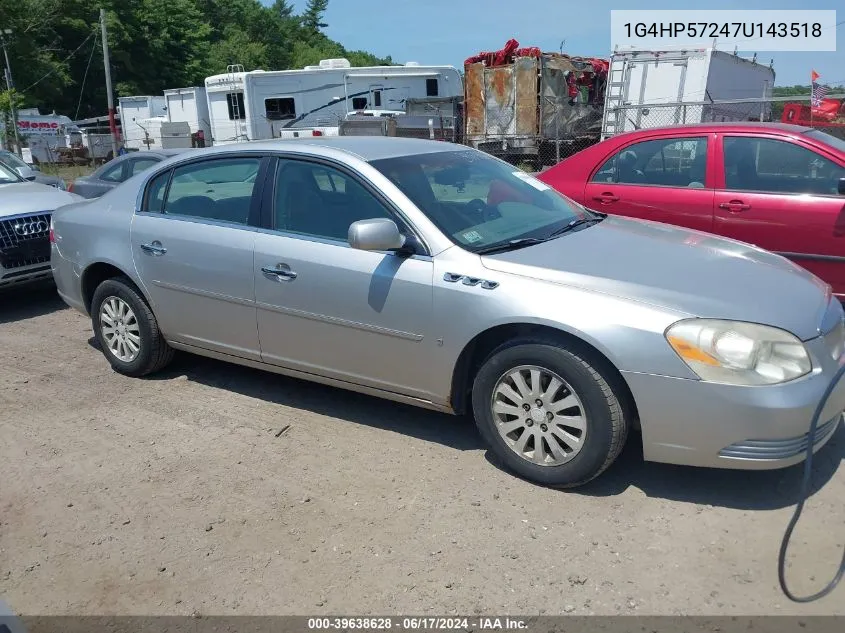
695,423
24,248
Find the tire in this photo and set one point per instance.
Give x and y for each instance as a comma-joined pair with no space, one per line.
153,352
596,407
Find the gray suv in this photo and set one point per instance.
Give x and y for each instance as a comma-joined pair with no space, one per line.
25,211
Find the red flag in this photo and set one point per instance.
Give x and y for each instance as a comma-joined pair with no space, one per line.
814,76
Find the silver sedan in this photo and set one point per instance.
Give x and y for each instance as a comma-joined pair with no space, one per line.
433,274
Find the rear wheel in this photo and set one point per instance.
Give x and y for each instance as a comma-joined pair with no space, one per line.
126,329
549,413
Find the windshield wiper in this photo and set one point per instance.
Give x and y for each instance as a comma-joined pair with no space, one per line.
509,245
575,223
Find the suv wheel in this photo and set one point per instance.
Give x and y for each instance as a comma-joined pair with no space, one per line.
127,330
549,413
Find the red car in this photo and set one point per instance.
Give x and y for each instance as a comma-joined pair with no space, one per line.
780,187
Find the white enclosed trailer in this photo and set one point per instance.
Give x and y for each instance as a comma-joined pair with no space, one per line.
133,112
314,100
651,88
191,106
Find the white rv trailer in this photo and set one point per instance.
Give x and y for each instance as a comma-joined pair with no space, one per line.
657,88
43,134
314,100
133,112
191,106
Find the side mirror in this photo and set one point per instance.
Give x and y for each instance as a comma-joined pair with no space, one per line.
842,186
377,234
30,178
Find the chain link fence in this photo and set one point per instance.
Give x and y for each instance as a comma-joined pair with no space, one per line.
535,137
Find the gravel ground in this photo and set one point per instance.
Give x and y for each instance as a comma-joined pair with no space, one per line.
176,495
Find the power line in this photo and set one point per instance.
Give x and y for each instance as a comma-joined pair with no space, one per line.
85,77
62,62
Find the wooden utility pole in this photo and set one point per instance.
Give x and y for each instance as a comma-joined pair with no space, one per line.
112,124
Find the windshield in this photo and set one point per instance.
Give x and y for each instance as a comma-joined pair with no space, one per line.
828,139
479,201
7,175
12,160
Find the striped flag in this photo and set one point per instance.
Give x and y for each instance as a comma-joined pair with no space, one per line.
817,95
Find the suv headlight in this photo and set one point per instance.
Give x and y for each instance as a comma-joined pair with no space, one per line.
739,353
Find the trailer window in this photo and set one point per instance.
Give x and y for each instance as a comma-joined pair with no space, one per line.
377,98
359,103
235,103
431,88
280,109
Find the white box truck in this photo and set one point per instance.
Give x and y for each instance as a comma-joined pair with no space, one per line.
133,111
191,106
316,99
658,88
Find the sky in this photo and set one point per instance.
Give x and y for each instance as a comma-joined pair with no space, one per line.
449,31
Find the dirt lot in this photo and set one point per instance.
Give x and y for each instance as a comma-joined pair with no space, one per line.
175,495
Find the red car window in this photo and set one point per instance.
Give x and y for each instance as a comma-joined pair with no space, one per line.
775,166
665,162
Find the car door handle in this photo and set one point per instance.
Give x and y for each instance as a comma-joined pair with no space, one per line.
154,249
279,273
606,198
735,206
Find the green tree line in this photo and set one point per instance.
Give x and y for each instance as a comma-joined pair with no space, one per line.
56,52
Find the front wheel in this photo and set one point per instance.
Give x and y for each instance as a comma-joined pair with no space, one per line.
127,331
549,413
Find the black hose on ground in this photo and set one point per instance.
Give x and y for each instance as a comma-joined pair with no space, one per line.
802,498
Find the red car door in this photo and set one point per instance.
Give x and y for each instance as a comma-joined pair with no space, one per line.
665,178
781,193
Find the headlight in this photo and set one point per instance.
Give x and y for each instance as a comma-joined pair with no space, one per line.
739,353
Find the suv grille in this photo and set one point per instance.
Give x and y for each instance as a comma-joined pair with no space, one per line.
25,240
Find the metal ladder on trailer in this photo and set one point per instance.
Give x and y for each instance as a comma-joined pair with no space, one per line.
232,70
613,120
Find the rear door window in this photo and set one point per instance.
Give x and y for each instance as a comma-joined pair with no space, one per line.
771,165
217,189
114,173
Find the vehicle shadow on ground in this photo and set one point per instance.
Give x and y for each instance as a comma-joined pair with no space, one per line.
452,431
748,490
738,489
29,301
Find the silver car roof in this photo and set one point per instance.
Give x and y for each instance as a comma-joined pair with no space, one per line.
368,148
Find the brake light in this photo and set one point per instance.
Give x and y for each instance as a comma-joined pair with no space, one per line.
316,133
70,187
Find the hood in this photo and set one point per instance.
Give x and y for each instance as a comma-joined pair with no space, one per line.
51,181
678,269
32,197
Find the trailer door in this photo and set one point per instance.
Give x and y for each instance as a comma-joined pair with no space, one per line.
653,82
